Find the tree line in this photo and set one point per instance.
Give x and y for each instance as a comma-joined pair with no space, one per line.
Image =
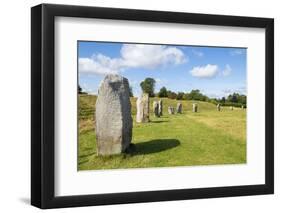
235,99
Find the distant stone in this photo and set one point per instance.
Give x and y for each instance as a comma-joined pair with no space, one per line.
194,107
171,110
242,107
179,108
113,116
219,107
142,109
160,108
231,108
156,108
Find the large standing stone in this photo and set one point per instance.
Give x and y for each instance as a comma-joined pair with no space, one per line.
231,108
143,109
160,108
171,110
194,107
179,108
113,116
219,107
242,107
156,108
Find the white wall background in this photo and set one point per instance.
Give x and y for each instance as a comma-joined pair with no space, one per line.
15,105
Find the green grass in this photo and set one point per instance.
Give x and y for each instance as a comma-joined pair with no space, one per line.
205,138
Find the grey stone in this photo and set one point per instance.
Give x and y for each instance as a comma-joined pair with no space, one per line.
171,110
219,107
142,109
242,107
160,108
195,107
179,108
113,116
156,108
231,108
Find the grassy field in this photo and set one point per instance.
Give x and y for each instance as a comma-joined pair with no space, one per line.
205,138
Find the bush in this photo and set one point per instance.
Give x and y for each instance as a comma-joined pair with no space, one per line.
180,96
233,104
172,95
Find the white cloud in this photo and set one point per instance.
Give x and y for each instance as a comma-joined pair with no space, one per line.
134,82
150,56
228,91
133,56
198,53
207,71
240,90
158,80
237,52
227,71
98,64
161,80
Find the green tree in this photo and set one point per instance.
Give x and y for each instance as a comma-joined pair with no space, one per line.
197,95
194,94
171,95
242,99
180,96
233,98
186,96
163,92
147,86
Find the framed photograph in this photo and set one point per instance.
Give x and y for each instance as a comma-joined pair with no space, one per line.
139,106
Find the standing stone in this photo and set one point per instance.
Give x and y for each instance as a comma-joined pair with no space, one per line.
160,109
194,107
231,108
219,107
171,110
242,107
113,116
156,109
179,108
143,109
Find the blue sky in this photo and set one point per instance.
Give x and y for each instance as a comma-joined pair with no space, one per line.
216,71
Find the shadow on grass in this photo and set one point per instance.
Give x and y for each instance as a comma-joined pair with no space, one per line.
158,121
82,162
86,155
154,146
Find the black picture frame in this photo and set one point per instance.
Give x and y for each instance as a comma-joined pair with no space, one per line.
43,102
